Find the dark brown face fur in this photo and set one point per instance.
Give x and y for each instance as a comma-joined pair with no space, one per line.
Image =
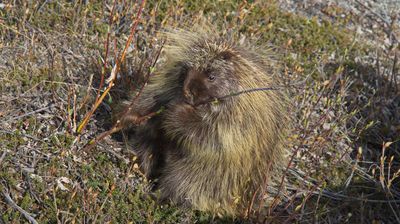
204,85
199,87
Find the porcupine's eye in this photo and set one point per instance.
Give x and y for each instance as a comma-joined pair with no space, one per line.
211,78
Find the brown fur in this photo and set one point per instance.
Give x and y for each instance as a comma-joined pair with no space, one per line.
211,155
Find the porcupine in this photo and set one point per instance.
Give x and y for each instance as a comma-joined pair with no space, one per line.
211,148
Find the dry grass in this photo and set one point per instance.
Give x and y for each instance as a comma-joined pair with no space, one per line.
345,108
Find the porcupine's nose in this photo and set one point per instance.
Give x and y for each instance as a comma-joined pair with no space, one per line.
195,90
189,98
196,96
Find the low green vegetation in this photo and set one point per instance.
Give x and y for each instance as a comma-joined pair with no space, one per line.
344,109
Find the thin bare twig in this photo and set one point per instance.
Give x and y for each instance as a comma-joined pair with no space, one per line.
117,126
30,113
23,134
114,72
394,72
3,155
27,215
107,44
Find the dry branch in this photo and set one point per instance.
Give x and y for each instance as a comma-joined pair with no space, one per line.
114,72
27,215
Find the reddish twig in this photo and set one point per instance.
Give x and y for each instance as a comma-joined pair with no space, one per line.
113,73
137,120
106,45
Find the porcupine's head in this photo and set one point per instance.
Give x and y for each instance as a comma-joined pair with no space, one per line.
213,67
210,70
